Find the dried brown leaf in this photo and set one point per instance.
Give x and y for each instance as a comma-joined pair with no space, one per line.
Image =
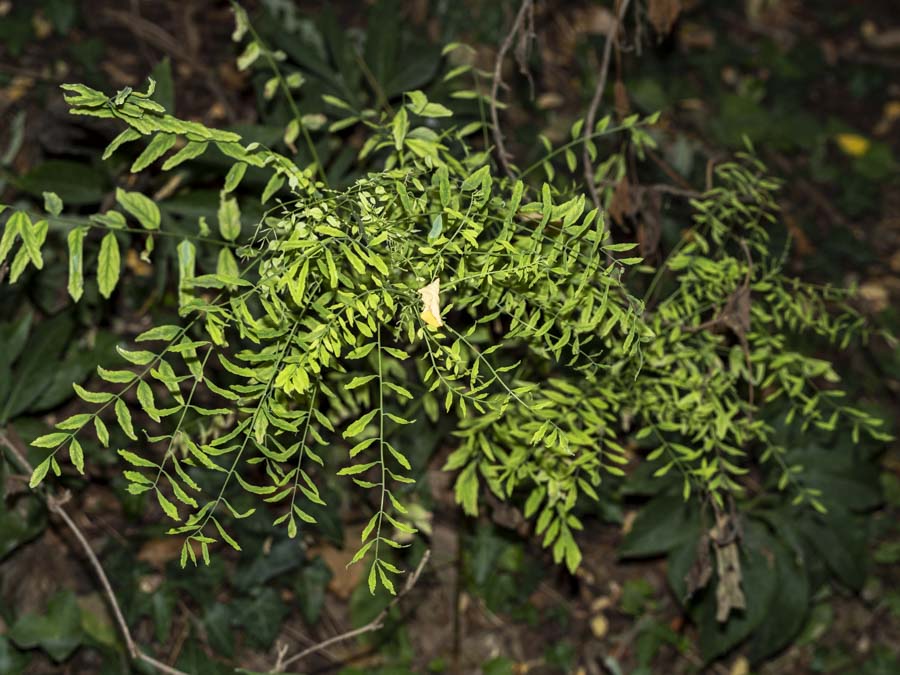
663,14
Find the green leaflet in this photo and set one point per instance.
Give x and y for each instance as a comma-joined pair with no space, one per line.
29,236
191,150
159,146
276,182
40,471
76,262
229,218
187,254
357,427
52,203
399,128
420,105
76,455
249,56
168,507
32,240
227,265
123,416
102,432
108,265
145,398
10,234
141,207
91,396
126,136
159,333
235,175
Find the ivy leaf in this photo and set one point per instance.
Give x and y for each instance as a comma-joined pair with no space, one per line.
58,631
108,265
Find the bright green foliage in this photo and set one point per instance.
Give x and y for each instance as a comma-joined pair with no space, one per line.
539,347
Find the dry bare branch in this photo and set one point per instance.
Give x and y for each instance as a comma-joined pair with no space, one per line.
591,117
55,503
521,27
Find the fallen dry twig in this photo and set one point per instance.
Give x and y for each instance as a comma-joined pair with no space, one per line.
373,625
55,504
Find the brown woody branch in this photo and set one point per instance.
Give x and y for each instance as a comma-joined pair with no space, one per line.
518,28
591,117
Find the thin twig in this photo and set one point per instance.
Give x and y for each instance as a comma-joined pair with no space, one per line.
9,439
595,103
518,25
269,56
373,625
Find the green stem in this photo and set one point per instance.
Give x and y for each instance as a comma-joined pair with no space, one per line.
309,414
553,153
184,410
295,111
262,402
380,446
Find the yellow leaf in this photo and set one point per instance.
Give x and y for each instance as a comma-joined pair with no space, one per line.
599,626
431,302
741,666
892,110
852,144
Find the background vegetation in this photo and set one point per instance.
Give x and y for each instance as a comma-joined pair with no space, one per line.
813,91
